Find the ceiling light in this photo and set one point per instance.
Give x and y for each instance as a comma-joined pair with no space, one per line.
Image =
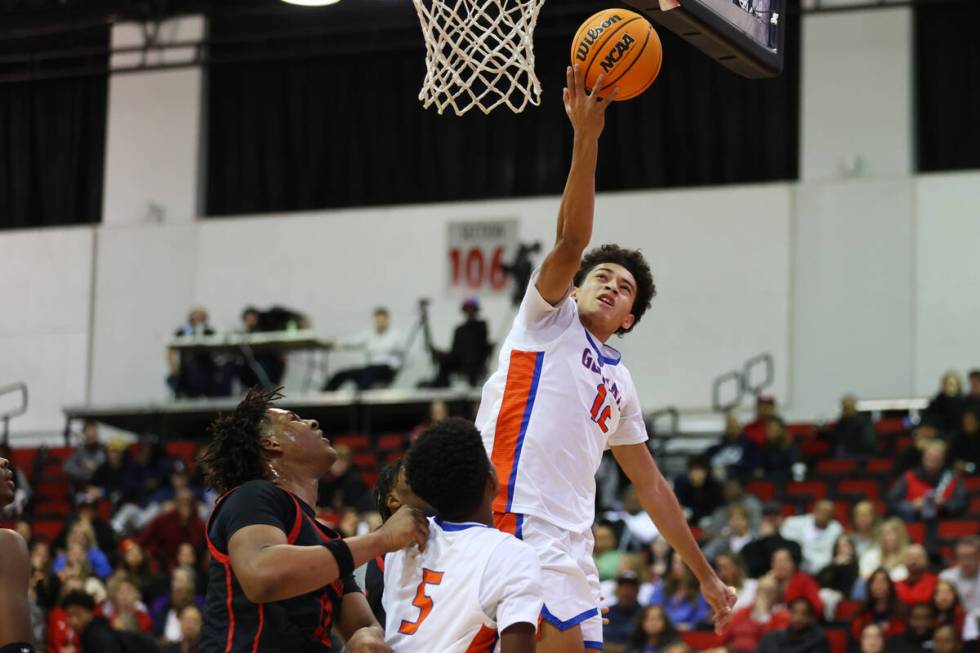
312,3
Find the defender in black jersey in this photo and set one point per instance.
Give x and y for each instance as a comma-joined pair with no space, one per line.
15,567
280,581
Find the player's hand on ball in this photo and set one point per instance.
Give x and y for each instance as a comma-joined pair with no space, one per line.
586,111
406,527
367,640
722,599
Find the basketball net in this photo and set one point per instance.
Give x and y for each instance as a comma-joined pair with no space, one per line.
479,53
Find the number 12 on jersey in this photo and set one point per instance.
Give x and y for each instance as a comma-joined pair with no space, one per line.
600,410
422,601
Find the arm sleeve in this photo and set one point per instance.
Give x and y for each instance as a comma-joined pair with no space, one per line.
632,429
540,319
510,591
256,503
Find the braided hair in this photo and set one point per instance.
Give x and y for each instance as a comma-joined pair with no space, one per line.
233,454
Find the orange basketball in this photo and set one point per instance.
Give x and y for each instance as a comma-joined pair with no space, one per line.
621,44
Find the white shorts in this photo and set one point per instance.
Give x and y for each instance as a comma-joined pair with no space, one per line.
569,577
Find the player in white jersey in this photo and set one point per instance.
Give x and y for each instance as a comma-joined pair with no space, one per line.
473,588
561,396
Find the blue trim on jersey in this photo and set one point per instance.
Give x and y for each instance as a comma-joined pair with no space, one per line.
538,364
519,529
593,645
605,360
569,623
458,526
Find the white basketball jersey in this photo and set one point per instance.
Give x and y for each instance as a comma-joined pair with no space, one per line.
470,583
558,399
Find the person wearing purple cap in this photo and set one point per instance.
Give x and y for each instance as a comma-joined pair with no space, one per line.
469,351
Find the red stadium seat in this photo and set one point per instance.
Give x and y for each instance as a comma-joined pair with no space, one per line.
837,638
701,640
802,430
762,490
866,489
975,506
366,461
836,467
46,528
952,529
370,478
23,459
888,426
812,489
814,448
789,509
846,610
353,441
917,531
879,465
392,442
972,484
903,442
183,450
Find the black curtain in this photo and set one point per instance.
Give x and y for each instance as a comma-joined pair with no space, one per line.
947,68
52,130
339,123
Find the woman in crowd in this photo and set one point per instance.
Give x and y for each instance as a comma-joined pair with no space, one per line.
751,623
124,608
654,632
731,571
607,557
872,639
680,597
837,579
82,554
140,569
882,607
780,452
890,553
946,604
866,523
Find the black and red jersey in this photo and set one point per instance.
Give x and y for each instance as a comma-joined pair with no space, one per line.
232,623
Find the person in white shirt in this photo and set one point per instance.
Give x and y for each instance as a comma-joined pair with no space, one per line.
816,534
383,347
966,574
472,588
561,396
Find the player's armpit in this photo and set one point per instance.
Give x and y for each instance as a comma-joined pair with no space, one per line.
557,272
518,638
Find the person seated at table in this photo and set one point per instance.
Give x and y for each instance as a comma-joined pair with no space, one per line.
383,346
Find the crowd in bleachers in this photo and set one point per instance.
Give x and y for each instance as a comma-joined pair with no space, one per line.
855,536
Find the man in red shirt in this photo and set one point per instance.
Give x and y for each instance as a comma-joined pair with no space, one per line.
793,582
921,582
164,535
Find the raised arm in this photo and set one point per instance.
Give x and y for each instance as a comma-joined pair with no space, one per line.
587,114
270,569
659,501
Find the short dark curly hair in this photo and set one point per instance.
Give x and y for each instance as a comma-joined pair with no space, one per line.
233,454
447,467
632,260
387,480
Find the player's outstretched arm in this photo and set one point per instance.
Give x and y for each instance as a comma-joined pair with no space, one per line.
587,114
270,569
658,499
518,638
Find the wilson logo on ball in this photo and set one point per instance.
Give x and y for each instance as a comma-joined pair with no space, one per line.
616,54
592,36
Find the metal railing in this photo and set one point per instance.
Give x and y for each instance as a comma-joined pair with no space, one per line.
743,381
19,410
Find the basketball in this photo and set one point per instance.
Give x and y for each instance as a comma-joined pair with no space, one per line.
622,45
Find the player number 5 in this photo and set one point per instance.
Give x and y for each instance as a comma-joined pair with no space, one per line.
421,601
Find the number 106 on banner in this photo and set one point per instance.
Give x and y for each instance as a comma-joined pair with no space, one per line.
477,255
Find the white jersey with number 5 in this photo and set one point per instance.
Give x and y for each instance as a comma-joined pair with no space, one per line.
558,399
471,583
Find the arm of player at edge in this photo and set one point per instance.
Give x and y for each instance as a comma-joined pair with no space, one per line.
575,215
658,499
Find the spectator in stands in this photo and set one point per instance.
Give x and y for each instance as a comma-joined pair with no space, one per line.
972,399
765,407
638,528
793,583
947,606
893,540
45,583
865,523
882,608
921,582
780,453
731,571
196,373
945,410
95,634
931,491
734,537
60,636
872,639
733,493
965,576
677,647
117,479
911,457
187,558
946,639
343,486
623,614
22,488
735,456
438,411
263,368
852,435
87,458
124,608
182,523
469,351
86,513
759,552
606,553
190,632
751,623
83,554
659,555
816,534
837,579
802,635
680,597
140,569
698,493
971,631
384,349
653,632
158,483
918,636
964,452
165,610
